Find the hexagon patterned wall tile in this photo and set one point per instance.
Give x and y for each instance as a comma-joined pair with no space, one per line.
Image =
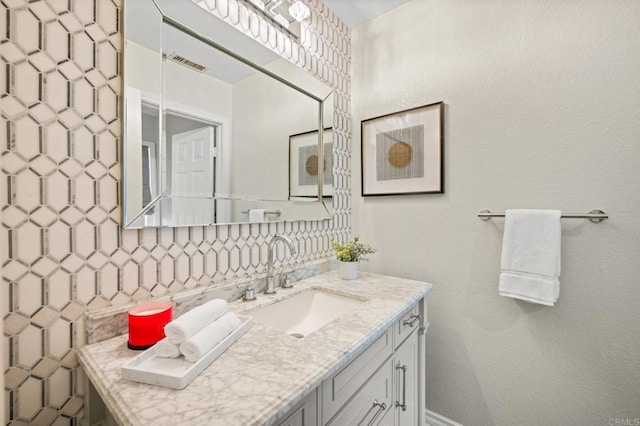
63,249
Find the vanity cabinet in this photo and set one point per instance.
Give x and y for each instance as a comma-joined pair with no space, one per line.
363,368
380,386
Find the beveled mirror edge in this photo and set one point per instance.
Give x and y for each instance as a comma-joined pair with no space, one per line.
125,155
320,92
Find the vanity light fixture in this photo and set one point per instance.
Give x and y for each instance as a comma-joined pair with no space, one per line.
286,13
258,3
299,11
273,5
281,20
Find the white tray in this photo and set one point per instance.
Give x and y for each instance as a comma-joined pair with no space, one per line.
177,373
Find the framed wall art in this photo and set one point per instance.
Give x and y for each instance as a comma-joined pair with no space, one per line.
304,164
402,153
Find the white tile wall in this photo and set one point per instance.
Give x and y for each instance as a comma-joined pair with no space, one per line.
62,249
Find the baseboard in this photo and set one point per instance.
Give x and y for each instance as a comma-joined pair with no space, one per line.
435,419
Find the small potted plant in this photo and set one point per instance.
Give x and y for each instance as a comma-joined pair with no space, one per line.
349,255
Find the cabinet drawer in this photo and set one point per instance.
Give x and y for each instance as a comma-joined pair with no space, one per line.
339,388
405,325
372,403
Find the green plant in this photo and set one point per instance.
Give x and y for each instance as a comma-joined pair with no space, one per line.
352,251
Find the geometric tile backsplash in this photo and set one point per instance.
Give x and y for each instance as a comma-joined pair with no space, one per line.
63,250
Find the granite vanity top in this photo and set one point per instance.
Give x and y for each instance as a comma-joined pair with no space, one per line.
265,373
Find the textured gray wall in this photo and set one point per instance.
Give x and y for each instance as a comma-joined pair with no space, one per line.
542,105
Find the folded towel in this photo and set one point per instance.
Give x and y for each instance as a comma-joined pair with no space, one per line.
205,340
257,216
189,323
531,256
165,349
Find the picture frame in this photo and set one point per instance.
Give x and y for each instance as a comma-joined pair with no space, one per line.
403,152
303,164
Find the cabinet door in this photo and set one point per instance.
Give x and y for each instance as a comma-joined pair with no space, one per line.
406,382
303,414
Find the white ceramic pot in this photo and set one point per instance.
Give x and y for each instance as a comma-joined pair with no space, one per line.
348,270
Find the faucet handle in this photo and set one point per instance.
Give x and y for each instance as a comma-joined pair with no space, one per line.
249,293
286,281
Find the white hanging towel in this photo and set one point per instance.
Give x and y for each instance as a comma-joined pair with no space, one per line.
530,265
257,216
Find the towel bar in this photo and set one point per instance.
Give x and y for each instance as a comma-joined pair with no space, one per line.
275,212
594,216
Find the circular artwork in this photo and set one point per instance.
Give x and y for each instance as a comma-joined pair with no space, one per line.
399,154
311,165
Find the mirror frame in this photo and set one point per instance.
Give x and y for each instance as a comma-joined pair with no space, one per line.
238,46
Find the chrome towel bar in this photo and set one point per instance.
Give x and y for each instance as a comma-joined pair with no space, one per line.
275,212
594,216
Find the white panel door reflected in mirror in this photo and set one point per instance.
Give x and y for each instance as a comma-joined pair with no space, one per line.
192,176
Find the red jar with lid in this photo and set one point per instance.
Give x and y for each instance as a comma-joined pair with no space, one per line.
146,323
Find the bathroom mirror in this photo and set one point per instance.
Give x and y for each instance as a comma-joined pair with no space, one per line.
218,128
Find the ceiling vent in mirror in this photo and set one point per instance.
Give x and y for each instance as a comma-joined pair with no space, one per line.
186,62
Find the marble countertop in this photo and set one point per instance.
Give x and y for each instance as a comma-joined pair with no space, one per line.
266,372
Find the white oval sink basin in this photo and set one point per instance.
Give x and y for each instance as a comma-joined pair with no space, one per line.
305,312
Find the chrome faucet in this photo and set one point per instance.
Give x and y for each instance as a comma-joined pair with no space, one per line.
271,279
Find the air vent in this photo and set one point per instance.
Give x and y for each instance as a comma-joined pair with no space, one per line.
186,62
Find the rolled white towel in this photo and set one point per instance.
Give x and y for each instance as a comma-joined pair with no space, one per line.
165,349
197,346
191,322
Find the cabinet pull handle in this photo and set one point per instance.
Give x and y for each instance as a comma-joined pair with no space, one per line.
404,387
411,321
381,407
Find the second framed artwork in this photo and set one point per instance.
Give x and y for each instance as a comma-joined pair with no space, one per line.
304,164
402,153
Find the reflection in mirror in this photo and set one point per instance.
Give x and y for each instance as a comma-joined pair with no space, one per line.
304,164
212,137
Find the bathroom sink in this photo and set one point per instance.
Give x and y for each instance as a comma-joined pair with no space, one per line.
305,312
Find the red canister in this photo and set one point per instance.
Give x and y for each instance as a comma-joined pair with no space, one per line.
146,324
